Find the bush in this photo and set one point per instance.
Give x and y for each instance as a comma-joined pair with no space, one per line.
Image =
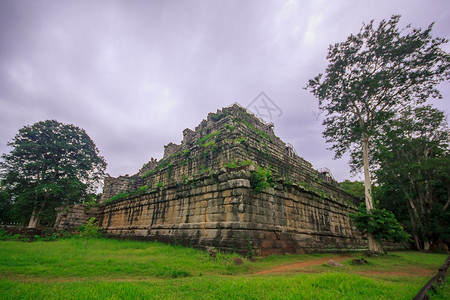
89,230
381,223
143,189
235,164
261,179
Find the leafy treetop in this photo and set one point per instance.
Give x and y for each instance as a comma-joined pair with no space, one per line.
51,163
375,73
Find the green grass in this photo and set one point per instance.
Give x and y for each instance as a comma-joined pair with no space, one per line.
112,269
395,262
109,258
303,286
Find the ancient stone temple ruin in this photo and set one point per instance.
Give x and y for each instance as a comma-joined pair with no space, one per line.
232,184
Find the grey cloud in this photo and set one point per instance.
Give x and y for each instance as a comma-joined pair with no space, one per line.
135,74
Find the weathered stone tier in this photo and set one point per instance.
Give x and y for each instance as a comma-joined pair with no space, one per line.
203,193
222,210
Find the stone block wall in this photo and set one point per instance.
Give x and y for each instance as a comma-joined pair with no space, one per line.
222,210
71,218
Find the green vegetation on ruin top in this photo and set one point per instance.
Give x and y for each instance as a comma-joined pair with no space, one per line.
235,164
208,137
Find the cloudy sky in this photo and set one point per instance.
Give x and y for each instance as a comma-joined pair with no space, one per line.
134,74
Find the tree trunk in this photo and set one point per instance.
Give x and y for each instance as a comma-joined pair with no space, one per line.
367,179
36,217
426,244
414,227
374,245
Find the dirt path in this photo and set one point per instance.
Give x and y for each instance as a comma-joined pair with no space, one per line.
292,267
300,266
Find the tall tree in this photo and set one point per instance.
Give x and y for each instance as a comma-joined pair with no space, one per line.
51,164
370,77
413,163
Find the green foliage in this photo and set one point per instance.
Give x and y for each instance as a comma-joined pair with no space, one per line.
163,164
51,164
149,173
373,74
208,137
246,163
305,185
239,140
160,184
381,223
186,152
413,166
26,236
143,189
119,196
205,170
210,143
89,230
88,204
231,165
170,171
261,179
6,236
229,127
234,164
252,127
6,206
371,77
356,188
288,182
249,248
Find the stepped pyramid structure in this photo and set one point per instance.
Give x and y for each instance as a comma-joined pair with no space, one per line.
234,185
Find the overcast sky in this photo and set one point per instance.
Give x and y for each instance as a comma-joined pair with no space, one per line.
134,74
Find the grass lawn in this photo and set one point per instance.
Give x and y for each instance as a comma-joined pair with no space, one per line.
112,269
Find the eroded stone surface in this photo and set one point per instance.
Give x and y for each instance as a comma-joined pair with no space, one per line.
71,218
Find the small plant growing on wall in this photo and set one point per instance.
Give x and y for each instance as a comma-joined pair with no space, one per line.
229,127
235,164
143,189
262,179
249,248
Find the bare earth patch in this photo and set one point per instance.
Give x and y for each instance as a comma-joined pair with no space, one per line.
293,267
300,267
